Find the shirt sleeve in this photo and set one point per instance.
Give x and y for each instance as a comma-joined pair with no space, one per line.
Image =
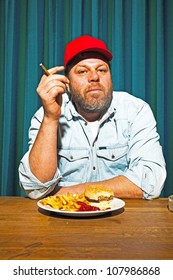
147,167
28,182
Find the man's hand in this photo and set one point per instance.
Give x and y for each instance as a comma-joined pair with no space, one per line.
50,90
72,189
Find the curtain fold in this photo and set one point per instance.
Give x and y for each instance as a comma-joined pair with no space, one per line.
139,34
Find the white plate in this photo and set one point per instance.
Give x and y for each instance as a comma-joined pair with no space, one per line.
116,204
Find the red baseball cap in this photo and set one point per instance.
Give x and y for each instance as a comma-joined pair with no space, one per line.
85,43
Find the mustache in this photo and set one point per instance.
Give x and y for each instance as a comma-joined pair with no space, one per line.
94,86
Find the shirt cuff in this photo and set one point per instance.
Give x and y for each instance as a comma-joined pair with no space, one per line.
34,188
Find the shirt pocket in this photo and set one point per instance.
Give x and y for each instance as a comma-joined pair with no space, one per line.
73,164
113,158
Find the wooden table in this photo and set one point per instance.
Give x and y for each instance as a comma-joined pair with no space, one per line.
143,230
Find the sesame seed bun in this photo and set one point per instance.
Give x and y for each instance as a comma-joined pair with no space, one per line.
98,193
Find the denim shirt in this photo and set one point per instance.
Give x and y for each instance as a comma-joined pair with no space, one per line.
126,143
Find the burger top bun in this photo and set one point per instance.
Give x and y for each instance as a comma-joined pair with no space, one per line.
98,193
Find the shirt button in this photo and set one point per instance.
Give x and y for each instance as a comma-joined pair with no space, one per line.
85,123
94,168
71,157
113,156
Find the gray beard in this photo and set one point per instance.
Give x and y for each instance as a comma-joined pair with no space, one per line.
97,106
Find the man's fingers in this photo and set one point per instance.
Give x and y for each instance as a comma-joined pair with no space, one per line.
56,69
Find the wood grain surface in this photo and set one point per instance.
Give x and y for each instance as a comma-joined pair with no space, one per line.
142,230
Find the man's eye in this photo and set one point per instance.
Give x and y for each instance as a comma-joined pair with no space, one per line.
82,71
102,70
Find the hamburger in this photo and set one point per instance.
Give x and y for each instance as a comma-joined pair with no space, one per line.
98,193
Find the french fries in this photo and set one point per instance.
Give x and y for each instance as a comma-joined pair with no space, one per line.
66,202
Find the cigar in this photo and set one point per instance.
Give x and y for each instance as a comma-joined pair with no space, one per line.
44,69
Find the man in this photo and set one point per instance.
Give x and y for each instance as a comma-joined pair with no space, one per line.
91,135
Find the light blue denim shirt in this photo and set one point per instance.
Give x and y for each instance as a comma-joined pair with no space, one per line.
126,143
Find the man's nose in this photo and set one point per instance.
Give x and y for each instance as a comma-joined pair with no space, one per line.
93,76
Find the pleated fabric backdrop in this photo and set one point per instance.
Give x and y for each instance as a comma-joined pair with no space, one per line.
138,32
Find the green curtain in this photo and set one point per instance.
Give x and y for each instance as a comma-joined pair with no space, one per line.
138,32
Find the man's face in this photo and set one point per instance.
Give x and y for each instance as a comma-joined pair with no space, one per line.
91,86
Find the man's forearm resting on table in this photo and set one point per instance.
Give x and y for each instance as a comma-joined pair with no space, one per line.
122,187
